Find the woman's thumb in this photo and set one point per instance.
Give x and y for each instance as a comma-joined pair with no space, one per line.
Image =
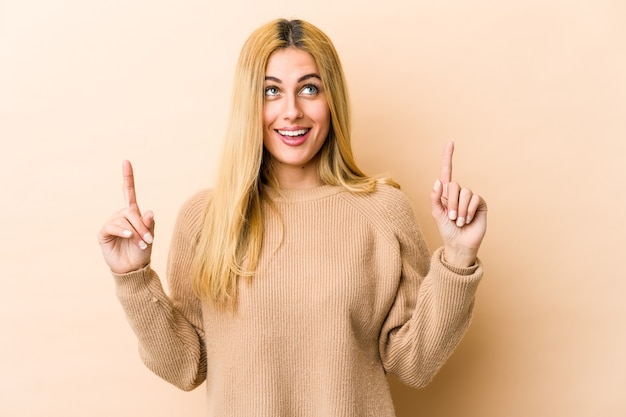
435,198
148,220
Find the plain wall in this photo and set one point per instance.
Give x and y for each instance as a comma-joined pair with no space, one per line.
533,92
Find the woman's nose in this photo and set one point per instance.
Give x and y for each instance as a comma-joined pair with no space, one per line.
292,109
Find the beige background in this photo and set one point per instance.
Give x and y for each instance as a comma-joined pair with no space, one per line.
533,92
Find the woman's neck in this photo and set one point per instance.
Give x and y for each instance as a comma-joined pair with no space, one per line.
298,177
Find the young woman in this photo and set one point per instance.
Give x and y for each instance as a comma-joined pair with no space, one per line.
298,282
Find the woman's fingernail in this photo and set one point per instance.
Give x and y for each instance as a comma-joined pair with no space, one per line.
147,237
468,220
437,185
142,244
127,233
460,221
452,214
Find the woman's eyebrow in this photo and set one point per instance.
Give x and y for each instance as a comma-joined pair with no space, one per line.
303,78
306,77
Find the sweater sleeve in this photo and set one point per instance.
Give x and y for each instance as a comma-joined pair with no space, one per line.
432,308
169,328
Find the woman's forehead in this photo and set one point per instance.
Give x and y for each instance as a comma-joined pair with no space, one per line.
291,62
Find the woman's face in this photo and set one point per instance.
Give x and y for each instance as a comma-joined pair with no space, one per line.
296,117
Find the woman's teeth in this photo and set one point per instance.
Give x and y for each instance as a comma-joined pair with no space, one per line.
292,133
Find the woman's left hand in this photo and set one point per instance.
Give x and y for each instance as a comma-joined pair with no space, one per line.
461,215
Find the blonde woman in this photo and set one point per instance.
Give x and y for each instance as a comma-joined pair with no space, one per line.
298,281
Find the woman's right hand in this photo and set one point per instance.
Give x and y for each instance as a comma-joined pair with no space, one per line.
126,239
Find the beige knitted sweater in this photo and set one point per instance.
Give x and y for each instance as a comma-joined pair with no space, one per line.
345,292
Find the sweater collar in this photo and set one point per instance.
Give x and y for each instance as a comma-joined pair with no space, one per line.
301,195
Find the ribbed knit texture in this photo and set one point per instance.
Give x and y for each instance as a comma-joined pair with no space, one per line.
345,292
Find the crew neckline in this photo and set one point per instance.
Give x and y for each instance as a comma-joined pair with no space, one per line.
295,195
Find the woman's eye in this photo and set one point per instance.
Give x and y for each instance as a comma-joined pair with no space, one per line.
310,90
271,91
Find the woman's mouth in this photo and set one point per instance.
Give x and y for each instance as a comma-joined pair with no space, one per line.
293,137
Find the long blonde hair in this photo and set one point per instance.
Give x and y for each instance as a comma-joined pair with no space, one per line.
230,242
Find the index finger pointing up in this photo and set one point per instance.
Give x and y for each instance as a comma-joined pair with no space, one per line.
446,163
129,184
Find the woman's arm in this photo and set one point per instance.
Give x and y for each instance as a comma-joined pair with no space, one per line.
169,329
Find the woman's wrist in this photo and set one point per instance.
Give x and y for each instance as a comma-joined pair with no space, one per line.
459,258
